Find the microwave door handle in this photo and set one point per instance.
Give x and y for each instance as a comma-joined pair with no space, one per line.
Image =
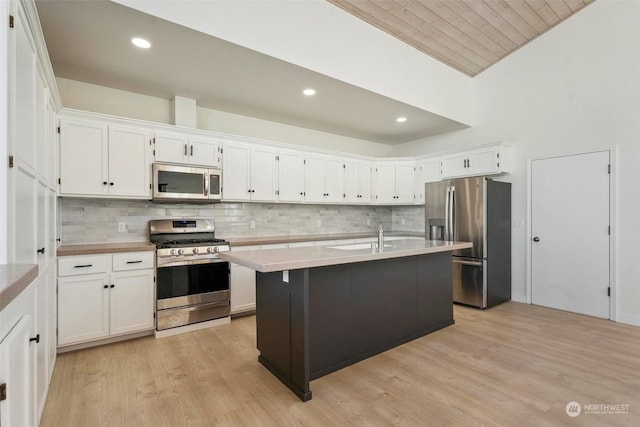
206,185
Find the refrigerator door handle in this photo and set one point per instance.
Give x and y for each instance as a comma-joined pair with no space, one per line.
452,216
446,215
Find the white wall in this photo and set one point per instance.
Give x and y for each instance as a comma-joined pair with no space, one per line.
574,89
100,99
322,37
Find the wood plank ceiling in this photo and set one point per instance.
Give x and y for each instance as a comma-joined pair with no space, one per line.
468,35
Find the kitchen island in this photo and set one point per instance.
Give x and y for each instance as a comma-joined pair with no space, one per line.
319,309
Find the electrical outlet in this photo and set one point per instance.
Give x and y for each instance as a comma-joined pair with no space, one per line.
122,227
368,222
253,225
319,223
402,221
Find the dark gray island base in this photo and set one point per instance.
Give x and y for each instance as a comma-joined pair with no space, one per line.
326,318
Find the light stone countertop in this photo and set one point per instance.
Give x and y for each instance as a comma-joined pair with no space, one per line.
269,260
104,248
14,278
294,238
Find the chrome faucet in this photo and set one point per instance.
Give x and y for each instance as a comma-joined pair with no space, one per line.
380,237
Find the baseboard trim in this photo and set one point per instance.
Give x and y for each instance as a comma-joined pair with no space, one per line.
110,340
629,319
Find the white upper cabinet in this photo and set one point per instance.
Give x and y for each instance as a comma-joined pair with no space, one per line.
97,159
181,148
324,178
204,152
41,124
236,160
129,173
489,160
426,170
83,158
111,157
357,181
290,176
24,97
395,182
249,172
263,174
52,147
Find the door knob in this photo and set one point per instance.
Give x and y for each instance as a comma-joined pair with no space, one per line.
536,239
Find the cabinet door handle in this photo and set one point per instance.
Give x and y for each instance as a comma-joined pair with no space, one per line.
134,262
106,286
36,339
40,251
185,149
83,266
111,183
112,286
104,182
192,150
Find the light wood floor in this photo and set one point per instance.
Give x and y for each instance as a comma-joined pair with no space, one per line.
512,365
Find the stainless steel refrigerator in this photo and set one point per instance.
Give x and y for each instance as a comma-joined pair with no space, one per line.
476,210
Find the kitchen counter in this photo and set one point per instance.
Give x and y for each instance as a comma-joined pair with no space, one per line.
321,308
268,260
14,278
104,248
294,238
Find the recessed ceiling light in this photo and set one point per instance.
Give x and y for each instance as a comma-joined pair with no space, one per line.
309,92
401,119
144,44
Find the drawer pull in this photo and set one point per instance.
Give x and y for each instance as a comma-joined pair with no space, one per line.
36,339
83,266
134,262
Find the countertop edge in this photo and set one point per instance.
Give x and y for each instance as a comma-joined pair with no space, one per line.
103,248
338,259
269,240
17,278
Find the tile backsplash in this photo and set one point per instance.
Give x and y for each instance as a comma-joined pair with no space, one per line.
96,220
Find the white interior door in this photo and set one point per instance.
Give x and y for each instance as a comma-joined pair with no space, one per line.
570,233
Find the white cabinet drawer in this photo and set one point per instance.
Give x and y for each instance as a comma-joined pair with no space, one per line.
87,264
133,260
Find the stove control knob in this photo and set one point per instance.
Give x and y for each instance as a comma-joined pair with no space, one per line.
216,249
196,250
180,251
172,252
209,250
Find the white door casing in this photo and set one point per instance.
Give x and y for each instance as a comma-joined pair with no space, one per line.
570,203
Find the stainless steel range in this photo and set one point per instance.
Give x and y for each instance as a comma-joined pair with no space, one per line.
192,282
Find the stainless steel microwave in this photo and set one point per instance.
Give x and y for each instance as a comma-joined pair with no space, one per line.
183,183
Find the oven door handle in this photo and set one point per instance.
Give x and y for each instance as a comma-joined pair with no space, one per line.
169,262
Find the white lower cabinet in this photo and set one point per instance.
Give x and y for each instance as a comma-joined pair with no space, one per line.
83,308
16,375
242,284
20,351
131,302
107,302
